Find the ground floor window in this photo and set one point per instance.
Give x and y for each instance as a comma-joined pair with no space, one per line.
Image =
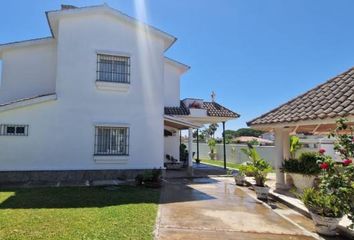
13,130
111,140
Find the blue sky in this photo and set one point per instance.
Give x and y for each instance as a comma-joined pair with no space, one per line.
254,54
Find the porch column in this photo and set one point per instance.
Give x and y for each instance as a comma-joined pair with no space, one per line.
281,152
197,143
180,137
223,137
190,151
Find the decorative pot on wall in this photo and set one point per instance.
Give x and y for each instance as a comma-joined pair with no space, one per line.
262,192
325,225
302,181
239,179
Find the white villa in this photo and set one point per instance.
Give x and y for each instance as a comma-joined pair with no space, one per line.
92,100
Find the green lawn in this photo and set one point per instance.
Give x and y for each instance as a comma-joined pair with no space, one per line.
78,213
220,163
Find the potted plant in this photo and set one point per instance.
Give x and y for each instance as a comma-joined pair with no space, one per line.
150,178
334,197
304,170
325,210
212,145
259,169
240,175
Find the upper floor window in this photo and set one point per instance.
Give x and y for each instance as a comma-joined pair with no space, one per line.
111,140
13,130
113,68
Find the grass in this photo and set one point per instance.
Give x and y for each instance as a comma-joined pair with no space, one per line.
220,163
78,213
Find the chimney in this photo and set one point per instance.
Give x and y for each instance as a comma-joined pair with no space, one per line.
66,7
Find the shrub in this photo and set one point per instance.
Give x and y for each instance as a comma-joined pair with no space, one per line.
306,164
327,205
153,175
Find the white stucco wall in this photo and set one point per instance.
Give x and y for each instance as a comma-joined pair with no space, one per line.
234,153
28,71
61,133
172,145
172,77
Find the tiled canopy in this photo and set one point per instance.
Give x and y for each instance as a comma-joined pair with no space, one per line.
332,99
213,110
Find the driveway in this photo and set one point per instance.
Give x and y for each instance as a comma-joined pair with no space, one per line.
213,208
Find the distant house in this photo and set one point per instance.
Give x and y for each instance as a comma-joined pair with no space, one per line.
93,100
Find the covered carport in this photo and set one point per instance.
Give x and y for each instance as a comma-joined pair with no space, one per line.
198,113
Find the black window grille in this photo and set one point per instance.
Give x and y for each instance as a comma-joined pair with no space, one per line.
13,130
113,68
111,140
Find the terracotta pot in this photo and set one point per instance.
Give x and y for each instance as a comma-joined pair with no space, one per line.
302,181
239,180
262,192
325,225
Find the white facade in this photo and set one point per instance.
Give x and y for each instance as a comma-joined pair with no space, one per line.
61,132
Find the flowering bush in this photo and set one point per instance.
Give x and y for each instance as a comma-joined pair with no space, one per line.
335,195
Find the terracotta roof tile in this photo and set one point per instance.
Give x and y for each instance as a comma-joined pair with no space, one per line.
216,110
331,99
181,110
213,110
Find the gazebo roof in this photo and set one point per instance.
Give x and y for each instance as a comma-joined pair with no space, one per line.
322,104
213,109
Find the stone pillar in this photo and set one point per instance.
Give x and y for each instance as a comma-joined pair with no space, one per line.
190,151
281,139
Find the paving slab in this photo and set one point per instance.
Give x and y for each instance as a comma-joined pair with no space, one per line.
210,208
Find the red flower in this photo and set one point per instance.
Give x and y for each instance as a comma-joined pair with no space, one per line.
346,162
322,151
324,166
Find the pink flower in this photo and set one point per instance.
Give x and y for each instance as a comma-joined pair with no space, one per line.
322,151
346,162
324,166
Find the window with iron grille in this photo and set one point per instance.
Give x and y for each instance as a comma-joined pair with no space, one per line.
111,140
113,68
13,130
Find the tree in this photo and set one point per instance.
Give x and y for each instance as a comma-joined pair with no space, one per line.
243,132
229,135
212,129
201,135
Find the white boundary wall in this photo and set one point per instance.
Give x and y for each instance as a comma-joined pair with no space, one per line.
233,152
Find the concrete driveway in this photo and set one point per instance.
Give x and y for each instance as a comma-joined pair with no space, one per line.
214,208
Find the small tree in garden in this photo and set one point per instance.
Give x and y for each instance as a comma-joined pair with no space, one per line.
212,145
257,166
